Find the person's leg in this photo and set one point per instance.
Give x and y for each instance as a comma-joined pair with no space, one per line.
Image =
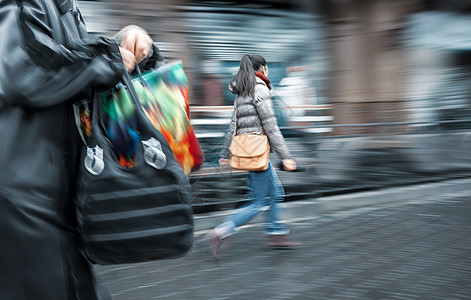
40,254
276,230
257,192
276,224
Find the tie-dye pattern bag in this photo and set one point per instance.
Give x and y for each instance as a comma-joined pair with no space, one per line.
163,93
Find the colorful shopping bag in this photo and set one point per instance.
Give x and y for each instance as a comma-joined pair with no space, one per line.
121,124
163,94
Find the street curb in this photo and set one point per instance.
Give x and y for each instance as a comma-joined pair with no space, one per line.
326,204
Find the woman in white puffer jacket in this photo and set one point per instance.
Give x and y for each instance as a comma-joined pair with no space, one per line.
254,114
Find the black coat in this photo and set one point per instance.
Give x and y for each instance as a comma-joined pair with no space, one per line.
47,62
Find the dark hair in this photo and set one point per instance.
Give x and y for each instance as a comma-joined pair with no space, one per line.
244,81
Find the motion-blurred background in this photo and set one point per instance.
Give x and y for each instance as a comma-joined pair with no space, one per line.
396,73
371,60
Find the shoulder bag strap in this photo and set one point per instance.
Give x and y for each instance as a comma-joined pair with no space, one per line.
253,103
235,119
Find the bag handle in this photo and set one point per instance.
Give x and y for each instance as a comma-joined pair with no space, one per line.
127,81
154,158
97,105
141,78
235,120
147,129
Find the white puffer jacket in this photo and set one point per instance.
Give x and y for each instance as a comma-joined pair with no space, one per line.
256,115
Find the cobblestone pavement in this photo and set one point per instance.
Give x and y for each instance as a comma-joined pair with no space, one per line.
417,249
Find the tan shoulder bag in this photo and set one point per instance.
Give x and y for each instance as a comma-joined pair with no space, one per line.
249,151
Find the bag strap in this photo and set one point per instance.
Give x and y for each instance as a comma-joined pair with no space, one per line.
144,122
235,119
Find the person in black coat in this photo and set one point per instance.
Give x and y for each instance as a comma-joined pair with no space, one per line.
48,62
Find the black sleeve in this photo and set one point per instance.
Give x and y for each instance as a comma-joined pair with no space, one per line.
155,59
38,71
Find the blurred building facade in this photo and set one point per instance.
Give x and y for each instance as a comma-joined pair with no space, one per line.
381,73
372,61
367,62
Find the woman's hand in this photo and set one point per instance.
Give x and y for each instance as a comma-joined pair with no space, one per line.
128,59
289,164
137,41
224,162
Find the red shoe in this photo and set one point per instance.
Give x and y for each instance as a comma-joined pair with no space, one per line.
282,242
214,243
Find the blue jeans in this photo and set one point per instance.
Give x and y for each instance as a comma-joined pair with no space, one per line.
265,189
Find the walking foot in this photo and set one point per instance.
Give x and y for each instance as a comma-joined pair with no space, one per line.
282,242
214,243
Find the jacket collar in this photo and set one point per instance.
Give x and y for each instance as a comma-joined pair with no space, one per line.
265,80
260,81
64,5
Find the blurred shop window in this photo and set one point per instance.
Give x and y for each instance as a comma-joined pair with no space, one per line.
295,89
212,84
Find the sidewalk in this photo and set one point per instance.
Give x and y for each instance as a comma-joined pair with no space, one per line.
398,243
378,218
344,202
